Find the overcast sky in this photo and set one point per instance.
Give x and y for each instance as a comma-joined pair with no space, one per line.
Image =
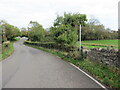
119,15
21,12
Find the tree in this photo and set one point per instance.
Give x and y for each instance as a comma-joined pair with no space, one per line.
65,30
36,32
2,31
9,32
24,32
94,30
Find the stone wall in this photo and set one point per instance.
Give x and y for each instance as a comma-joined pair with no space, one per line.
108,57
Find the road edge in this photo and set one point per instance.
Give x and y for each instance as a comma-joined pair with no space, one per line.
89,76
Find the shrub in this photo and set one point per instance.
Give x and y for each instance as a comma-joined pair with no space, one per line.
53,45
74,54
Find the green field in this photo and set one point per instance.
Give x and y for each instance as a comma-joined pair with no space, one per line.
101,43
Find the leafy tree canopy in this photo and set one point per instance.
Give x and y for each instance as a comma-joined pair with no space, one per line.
36,31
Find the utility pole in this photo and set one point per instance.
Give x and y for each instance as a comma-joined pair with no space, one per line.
80,37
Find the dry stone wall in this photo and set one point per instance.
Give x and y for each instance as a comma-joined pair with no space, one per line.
105,56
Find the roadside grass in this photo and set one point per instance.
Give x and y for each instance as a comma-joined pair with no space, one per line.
0,56
109,76
102,43
7,51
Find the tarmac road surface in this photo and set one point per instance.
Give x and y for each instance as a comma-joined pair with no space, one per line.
31,68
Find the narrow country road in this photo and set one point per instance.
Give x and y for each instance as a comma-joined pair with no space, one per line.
31,68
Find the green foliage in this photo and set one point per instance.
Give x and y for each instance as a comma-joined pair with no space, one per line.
53,45
71,19
65,30
6,51
36,32
74,55
48,37
94,30
9,32
24,32
62,38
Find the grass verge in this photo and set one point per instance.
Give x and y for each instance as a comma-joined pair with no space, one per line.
110,76
7,51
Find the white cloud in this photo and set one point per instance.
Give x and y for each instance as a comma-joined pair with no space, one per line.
20,12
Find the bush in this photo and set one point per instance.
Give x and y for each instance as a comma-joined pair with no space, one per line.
36,32
74,54
53,45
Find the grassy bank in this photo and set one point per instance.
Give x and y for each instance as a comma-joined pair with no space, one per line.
109,76
7,51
